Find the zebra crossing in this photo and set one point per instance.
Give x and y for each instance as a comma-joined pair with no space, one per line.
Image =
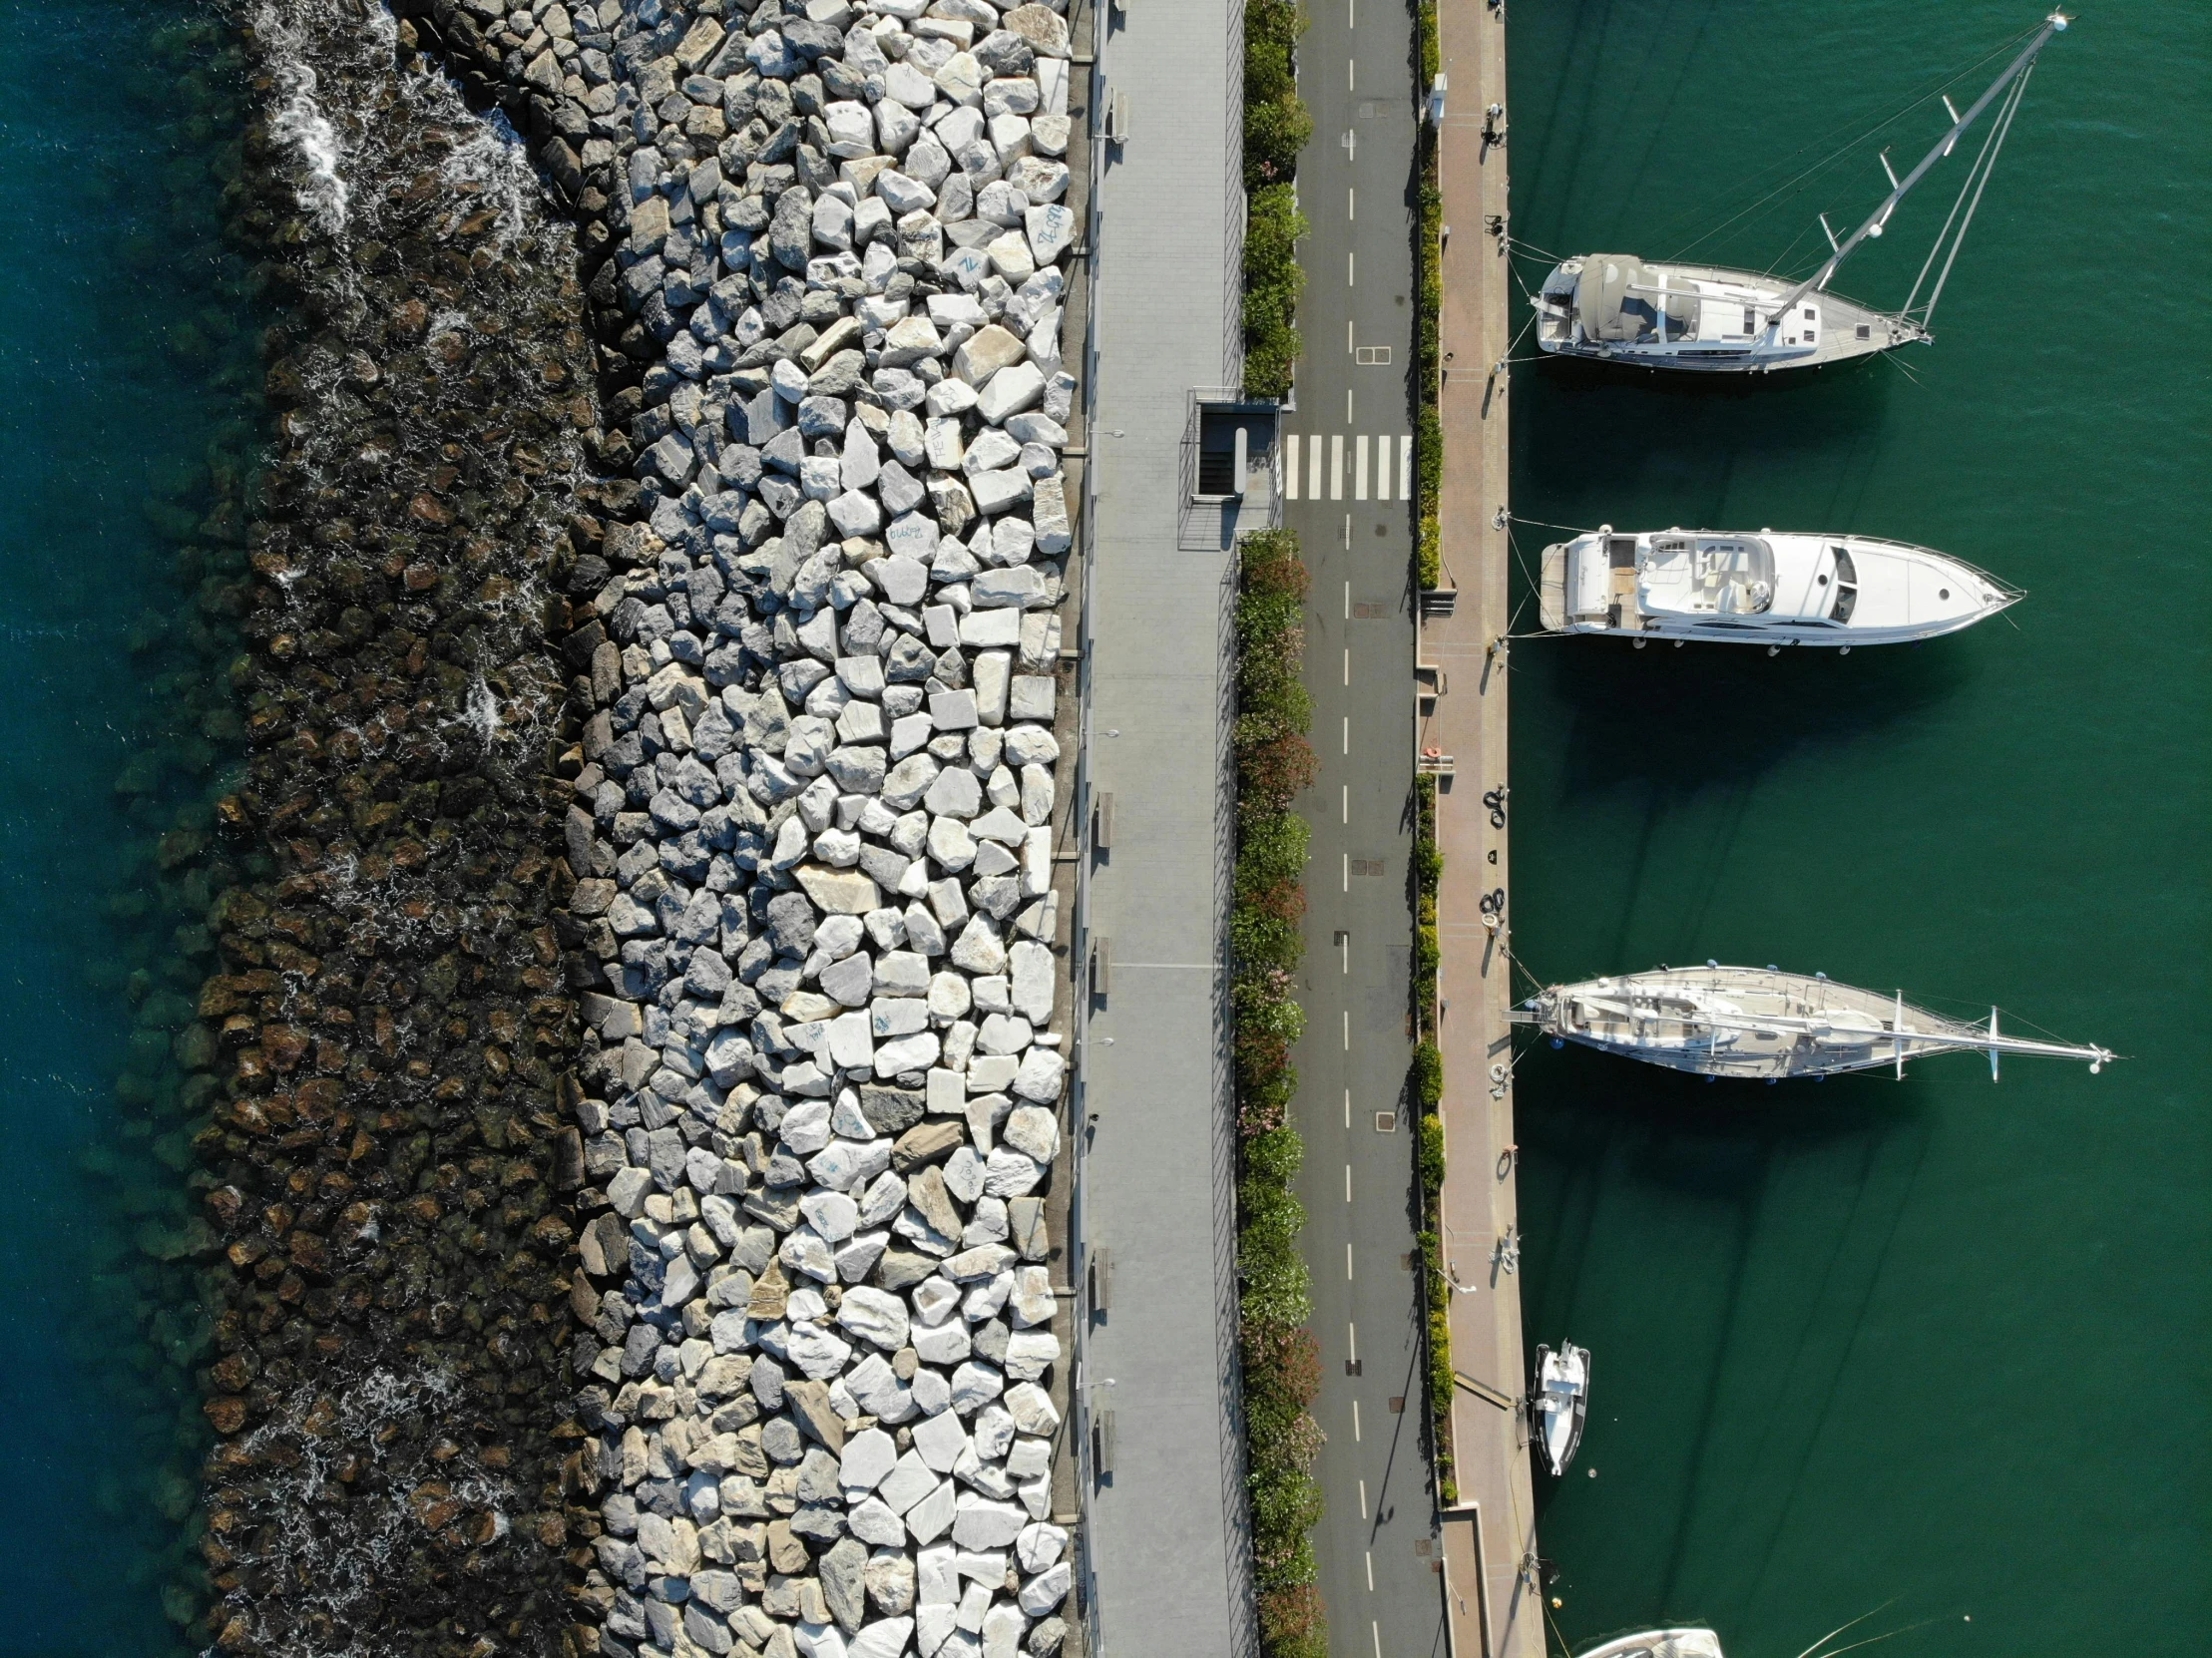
1313,468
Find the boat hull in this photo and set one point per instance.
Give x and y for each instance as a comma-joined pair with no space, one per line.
1842,331
1631,1017
1568,605
1562,1406
1657,1643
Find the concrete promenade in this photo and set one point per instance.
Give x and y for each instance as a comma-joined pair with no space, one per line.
1492,1607
1166,1539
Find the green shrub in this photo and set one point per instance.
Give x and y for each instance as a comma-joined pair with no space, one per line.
1293,1623
1428,1076
1431,1154
1272,284
1276,124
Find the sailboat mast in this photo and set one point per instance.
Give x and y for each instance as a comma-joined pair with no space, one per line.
1880,216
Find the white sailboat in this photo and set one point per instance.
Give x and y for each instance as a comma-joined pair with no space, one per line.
1763,1024
1561,1401
1712,320
1770,588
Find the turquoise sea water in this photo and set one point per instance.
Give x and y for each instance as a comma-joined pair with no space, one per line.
119,363
1940,1345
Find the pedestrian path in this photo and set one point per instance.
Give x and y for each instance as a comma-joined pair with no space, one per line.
1314,466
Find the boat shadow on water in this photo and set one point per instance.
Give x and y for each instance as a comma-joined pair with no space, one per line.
1674,1142
1650,718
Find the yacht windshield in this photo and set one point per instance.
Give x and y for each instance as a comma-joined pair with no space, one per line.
1847,590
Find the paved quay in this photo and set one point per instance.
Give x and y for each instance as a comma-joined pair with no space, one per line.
1490,1535
1165,1538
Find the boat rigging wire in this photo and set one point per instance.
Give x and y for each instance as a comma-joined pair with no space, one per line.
1990,147
1932,88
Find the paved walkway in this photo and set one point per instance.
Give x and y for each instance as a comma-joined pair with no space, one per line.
1492,1608
1167,1543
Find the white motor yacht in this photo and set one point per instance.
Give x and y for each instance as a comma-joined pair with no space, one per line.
1714,319
1763,1024
1772,589
1561,1401
1657,1643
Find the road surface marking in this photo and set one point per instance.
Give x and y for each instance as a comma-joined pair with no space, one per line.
1313,471
1347,733
1351,335
1347,405
1346,790
1336,466
1347,1263
1347,525
1347,941
1351,271
1291,493
1355,1421
1359,467
1352,1335
1378,1630
1405,468
1347,665
1347,602
1347,1182
1351,203
1347,1030
1351,74
1363,1515
1347,872
1370,1572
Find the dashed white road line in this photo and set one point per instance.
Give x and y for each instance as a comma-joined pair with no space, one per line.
1347,665
1347,1263
1370,1572
1347,733
1351,271
1346,791
1351,203
1363,1515
1347,1182
1355,1421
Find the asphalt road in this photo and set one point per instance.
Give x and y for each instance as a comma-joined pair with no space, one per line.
1350,450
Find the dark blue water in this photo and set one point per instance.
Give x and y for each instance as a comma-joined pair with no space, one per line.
123,366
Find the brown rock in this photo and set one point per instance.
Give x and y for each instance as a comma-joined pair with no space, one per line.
931,1142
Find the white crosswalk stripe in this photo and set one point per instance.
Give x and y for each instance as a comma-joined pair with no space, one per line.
1370,466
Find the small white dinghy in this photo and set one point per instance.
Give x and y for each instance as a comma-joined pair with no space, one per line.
1729,587
1561,1401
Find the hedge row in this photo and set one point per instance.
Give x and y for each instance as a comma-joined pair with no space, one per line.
1428,320
1281,1360
1427,1088
1276,126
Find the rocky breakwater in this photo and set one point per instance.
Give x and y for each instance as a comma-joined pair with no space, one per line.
383,1042
813,923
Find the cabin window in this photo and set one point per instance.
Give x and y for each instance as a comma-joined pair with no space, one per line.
1866,331
1750,319
1810,314
1845,570
1847,600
